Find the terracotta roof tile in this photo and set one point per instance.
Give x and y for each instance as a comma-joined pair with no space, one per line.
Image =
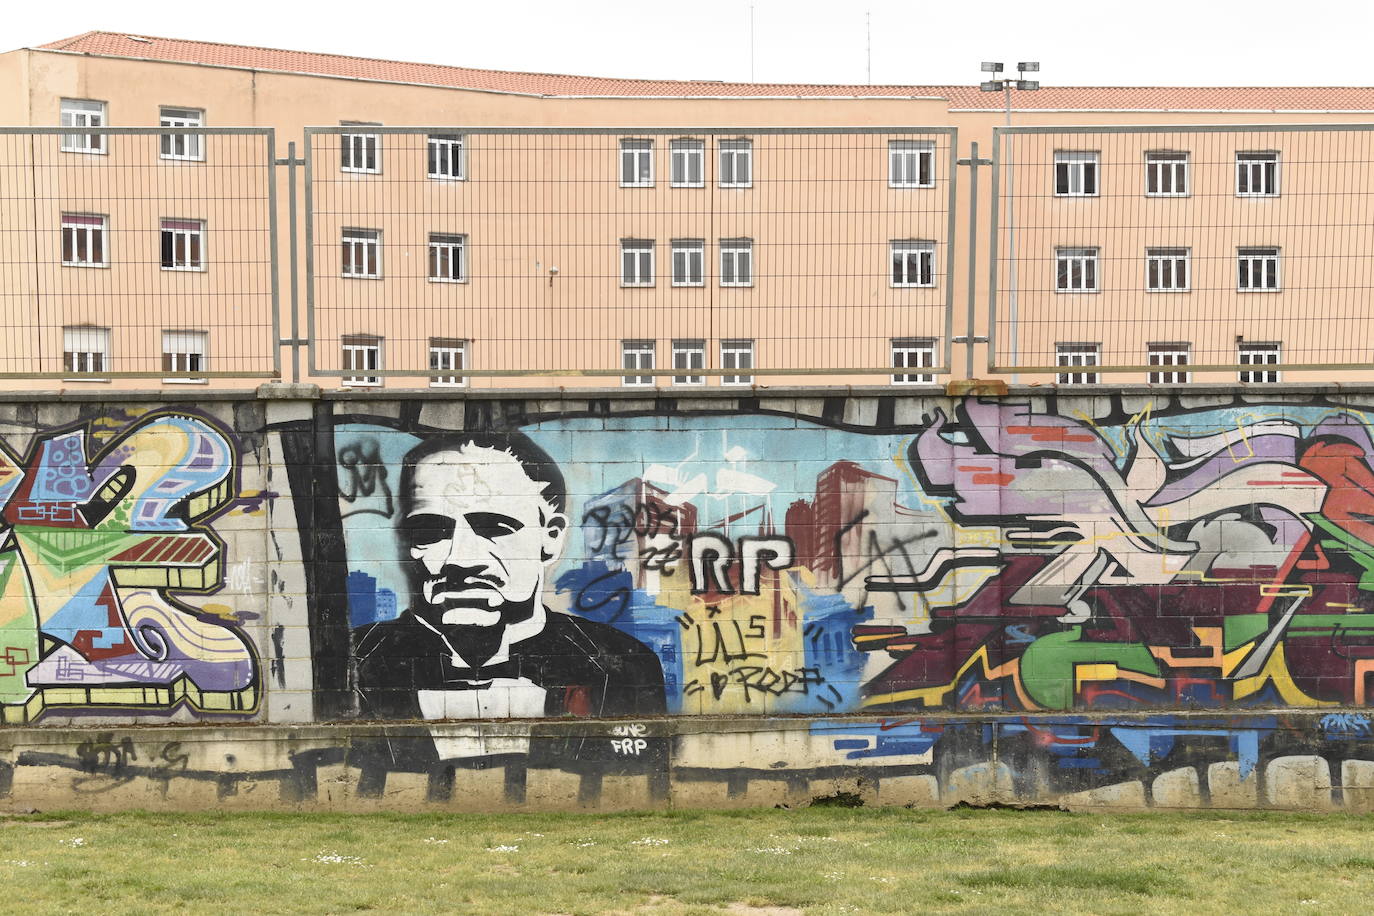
1123,98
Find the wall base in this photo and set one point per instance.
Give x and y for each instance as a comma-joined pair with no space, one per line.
1298,761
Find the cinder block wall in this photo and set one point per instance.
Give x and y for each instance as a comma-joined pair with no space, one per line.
1093,597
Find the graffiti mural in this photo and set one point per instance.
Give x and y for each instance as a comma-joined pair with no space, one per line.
103,528
990,557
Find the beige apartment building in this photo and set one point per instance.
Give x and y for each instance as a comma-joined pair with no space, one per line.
457,227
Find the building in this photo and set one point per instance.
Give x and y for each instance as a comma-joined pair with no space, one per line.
463,227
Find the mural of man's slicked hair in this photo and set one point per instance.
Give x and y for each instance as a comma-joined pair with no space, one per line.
536,462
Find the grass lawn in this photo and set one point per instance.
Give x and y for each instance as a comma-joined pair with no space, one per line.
813,860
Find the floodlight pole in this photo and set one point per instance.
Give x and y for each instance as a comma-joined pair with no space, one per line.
1005,85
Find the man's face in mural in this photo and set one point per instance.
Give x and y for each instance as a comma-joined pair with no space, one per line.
480,534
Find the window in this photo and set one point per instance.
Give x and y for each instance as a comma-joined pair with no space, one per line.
689,260
1259,354
83,240
1075,173
447,258
911,164
737,354
736,163
447,356
184,351
636,163
688,354
183,244
83,113
688,159
1169,354
1257,174
362,253
182,146
1077,355
1076,270
446,158
359,152
1166,174
913,354
913,262
736,262
86,351
362,353
1257,269
636,262
637,354
1166,270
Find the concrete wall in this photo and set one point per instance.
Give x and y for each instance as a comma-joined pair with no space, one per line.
1114,597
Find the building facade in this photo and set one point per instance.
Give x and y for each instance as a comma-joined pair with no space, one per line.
456,227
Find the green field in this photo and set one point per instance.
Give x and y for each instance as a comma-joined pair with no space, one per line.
813,860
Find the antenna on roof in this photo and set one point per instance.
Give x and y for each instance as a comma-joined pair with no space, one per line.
868,34
751,42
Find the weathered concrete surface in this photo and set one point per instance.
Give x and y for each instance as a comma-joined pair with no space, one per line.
689,763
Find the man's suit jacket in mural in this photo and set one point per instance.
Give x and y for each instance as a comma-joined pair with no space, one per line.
577,667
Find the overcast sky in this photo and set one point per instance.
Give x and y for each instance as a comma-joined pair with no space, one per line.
1079,43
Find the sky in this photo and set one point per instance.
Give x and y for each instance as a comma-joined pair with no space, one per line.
1084,43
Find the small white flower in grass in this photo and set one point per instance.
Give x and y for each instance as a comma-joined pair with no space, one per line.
73,842
833,875
880,880
1308,901
649,841
536,834
772,850
333,858
435,841
585,843
503,849
20,863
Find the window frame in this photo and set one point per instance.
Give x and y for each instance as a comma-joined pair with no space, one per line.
736,251
729,155
1159,162
688,348
730,351
70,115
922,151
687,249
1248,256
1253,348
358,142
631,151
169,356
1089,164
352,344
193,232
638,248
1071,349
1247,160
1071,255
375,243
449,242
92,232
1171,374
906,347
443,145
925,251
1156,259
448,347
194,144
686,149
631,353
69,350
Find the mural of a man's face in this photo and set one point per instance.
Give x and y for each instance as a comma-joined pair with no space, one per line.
480,534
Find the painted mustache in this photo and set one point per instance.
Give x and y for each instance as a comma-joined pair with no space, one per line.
463,590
